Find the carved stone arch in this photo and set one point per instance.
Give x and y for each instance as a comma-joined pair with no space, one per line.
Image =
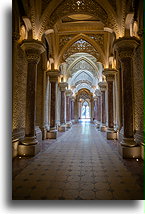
80,59
87,39
53,7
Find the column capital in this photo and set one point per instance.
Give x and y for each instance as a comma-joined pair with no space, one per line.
103,86
33,49
125,46
109,73
53,75
68,92
63,86
95,98
98,92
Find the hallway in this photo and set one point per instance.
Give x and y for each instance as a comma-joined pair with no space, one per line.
79,165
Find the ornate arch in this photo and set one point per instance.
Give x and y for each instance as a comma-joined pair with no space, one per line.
99,9
80,59
87,39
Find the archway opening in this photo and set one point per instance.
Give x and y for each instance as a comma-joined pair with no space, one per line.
85,111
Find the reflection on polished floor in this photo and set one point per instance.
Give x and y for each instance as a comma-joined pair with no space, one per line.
79,165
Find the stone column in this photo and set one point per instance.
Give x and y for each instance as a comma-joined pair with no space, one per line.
53,78
95,108
68,108
72,109
33,49
92,109
62,87
98,107
110,77
103,87
125,49
15,140
76,113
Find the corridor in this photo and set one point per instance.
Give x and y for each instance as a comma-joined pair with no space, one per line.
79,165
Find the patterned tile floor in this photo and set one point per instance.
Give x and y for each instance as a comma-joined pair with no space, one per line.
79,165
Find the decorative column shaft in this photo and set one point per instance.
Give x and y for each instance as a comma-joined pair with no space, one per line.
125,48
72,109
33,49
110,77
95,108
53,78
103,87
68,105
103,108
63,86
99,109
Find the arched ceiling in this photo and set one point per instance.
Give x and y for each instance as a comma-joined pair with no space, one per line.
80,34
82,72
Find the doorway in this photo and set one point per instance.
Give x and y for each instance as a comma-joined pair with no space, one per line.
85,113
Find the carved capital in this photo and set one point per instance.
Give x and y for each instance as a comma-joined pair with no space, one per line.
33,50
63,86
103,86
125,46
68,92
109,74
98,92
53,75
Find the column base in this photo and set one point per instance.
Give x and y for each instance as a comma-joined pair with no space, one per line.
28,150
44,131
62,128
38,133
29,141
128,142
130,152
103,128
142,150
15,144
97,125
52,134
68,125
112,135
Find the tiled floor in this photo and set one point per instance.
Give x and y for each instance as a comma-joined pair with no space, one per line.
79,165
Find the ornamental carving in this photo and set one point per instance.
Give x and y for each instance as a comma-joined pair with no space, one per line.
44,5
74,7
82,65
84,95
33,55
79,47
83,81
19,90
64,39
98,38
113,4
138,74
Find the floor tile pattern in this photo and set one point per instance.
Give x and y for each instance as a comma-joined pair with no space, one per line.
79,165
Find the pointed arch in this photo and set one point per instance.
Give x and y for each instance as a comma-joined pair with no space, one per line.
79,59
87,39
